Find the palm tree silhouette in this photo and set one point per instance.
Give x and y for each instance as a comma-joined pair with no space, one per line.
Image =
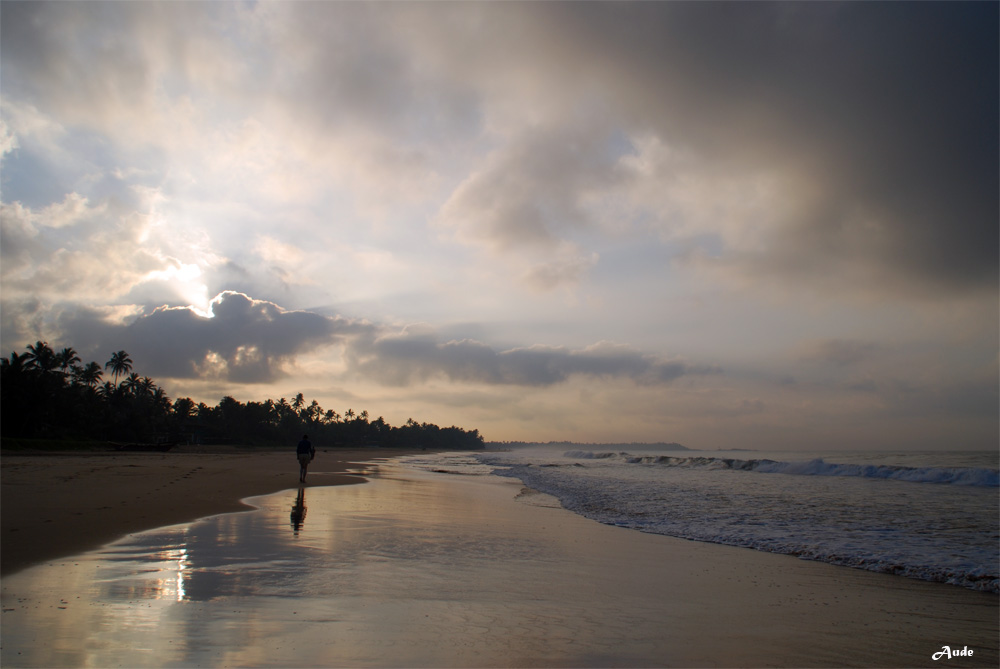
132,385
42,357
147,387
16,364
120,364
67,358
183,407
89,375
314,413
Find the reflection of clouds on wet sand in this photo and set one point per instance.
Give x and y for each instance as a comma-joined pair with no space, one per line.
423,569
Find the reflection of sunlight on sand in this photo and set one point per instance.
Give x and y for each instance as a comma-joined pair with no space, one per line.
175,561
169,567
80,611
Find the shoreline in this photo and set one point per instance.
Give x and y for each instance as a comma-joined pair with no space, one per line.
431,569
58,504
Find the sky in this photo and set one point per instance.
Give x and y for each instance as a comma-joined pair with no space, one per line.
745,225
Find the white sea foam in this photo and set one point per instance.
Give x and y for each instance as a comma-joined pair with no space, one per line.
857,510
591,455
973,476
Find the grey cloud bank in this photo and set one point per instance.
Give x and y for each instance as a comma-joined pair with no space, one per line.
876,121
402,359
244,340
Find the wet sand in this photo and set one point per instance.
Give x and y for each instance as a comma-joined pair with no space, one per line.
420,569
53,505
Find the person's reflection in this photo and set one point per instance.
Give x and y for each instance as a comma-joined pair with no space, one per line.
299,511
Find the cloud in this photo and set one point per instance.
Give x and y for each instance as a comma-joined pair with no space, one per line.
895,143
115,251
404,357
8,141
567,269
73,249
531,192
754,125
841,352
243,340
137,59
880,158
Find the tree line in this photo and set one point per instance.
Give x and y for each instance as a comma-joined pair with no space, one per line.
50,394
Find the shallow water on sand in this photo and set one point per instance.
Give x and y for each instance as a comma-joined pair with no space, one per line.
422,569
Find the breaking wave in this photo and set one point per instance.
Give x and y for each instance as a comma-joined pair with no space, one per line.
967,476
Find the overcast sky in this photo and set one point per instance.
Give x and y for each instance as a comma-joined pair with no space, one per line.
728,225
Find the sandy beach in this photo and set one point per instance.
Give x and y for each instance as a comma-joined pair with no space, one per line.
59,504
421,569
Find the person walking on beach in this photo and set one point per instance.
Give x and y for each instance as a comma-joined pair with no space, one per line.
306,453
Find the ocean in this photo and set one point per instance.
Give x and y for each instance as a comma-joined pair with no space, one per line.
928,515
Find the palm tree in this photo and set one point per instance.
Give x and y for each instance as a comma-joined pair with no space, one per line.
108,390
314,413
147,387
15,363
89,375
349,415
132,385
160,400
67,358
284,412
42,357
183,407
120,364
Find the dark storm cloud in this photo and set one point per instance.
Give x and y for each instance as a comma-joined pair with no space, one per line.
893,107
880,117
404,358
245,340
